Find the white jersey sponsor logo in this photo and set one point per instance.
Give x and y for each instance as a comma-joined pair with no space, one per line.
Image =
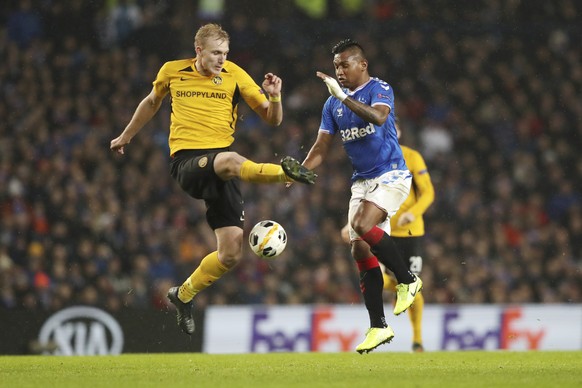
357,133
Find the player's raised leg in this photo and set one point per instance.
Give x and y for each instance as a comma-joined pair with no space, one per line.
228,165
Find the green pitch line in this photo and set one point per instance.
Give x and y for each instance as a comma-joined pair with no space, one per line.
430,369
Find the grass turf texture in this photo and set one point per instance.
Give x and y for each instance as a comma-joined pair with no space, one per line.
430,369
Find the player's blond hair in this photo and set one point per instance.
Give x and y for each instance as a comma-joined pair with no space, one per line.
209,31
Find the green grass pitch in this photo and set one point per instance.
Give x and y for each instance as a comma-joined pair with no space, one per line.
430,369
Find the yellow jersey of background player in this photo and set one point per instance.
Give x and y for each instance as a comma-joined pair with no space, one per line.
204,108
407,230
420,198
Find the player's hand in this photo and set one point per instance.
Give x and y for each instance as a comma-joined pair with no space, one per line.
405,218
272,84
118,144
345,233
332,86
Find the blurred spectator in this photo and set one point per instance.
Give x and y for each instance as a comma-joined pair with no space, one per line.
24,24
124,17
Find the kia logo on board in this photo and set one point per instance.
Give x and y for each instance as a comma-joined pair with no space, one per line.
82,331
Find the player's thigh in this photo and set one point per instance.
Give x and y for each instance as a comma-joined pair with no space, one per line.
389,191
227,165
227,208
193,170
358,193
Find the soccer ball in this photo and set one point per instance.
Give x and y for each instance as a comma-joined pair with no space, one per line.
268,239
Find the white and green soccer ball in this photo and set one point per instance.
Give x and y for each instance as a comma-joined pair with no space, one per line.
268,239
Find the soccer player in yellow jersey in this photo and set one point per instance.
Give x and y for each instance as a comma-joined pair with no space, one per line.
205,92
407,229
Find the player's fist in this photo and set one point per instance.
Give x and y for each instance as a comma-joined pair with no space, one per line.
332,86
272,84
118,144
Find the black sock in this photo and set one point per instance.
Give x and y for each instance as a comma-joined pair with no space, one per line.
371,285
386,252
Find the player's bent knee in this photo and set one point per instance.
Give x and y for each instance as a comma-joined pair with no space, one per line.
231,254
361,250
230,261
230,241
361,227
227,164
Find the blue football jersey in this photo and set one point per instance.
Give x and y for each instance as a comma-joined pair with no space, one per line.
372,149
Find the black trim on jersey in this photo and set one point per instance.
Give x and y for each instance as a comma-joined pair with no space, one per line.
415,188
235,100
189,69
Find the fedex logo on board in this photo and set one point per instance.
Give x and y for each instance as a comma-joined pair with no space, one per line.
316,334
505,332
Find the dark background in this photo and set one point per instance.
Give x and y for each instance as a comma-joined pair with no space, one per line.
489,92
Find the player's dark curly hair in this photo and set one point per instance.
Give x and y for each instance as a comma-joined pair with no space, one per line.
345,45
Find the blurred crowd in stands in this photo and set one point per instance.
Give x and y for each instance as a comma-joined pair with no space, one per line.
489,91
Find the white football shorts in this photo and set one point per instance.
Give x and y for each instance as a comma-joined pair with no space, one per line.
388,192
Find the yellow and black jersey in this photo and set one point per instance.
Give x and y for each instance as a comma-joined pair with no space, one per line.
204,108
420,198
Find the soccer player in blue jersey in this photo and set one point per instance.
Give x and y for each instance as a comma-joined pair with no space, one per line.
361,111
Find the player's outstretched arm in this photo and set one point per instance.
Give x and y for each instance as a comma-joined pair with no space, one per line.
424,190
144,112
318,151
423,184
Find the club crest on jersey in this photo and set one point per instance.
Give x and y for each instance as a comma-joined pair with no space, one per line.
217,80
340,112
203,162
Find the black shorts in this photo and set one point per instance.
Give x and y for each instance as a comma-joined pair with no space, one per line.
194,172
411,250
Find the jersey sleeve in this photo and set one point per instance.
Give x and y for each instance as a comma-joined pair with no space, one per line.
162,81
382,94
422,182
327,123
250,91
